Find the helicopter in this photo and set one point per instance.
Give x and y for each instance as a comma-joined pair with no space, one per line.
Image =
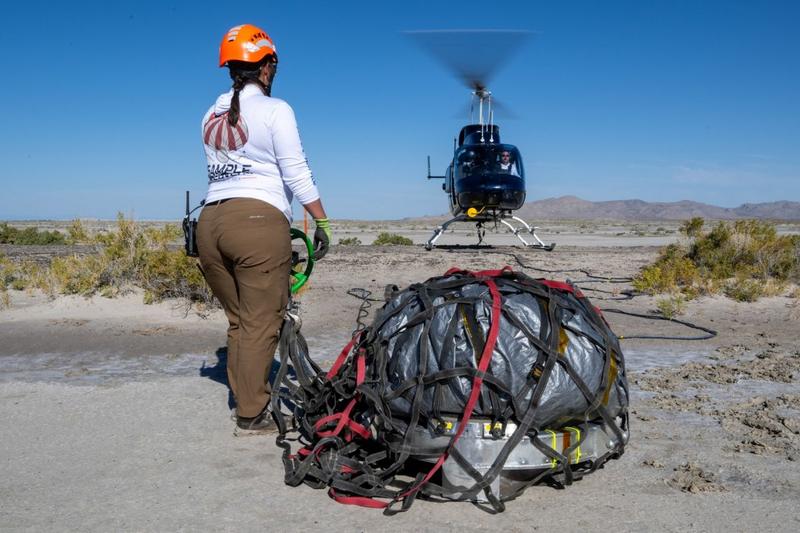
485,181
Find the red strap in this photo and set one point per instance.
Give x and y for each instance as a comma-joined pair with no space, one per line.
477,383
342,417
344,421
486,357
480,273
562,286
343,356
361,366
362,431
362,501
492,273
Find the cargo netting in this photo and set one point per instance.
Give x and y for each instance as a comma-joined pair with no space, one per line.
468,386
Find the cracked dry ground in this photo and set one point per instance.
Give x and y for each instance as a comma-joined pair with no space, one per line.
737,413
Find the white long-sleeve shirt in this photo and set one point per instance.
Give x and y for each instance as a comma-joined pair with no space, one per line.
262,157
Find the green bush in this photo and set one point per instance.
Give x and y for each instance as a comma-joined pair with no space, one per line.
385,238
350,241
11,235
672,272
745,259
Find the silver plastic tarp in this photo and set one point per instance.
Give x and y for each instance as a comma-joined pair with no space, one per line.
585,346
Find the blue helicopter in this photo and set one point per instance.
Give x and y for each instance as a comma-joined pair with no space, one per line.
485,181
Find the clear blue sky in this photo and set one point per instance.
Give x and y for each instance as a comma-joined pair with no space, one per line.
661,100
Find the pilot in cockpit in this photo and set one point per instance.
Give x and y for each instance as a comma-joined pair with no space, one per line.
506,165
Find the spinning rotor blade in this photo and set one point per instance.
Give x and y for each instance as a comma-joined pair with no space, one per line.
474,56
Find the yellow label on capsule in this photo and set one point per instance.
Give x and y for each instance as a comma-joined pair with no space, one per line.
472,212
487,427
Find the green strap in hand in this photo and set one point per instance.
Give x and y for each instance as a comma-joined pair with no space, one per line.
300,278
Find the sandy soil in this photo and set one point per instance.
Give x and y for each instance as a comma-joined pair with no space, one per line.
114,418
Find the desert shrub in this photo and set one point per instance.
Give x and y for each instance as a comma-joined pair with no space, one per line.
672,306
13,275
350,241
77,232
692,228
19,275
744,289
7,233
74,274
127,256
6,272
745,259
385,238
673,271
11,235
750,248
170,274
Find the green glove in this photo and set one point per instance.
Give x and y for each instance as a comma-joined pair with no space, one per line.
322,238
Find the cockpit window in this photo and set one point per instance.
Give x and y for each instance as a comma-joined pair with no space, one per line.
495,159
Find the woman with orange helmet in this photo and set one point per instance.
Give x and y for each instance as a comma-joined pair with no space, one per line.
256,166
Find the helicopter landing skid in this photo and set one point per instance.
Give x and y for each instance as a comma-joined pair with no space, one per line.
537,245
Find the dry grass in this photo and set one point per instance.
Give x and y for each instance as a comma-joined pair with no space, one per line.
127,256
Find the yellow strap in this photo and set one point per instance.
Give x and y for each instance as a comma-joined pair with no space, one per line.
553,444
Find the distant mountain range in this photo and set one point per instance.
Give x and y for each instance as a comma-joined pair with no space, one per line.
572,207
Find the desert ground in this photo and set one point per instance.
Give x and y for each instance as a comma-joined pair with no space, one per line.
115,414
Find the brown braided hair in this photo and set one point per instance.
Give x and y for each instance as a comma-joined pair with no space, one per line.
243,73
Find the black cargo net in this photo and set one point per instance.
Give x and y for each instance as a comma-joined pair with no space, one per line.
525,357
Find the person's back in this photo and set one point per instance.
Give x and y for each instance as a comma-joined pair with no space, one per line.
261,157
256,165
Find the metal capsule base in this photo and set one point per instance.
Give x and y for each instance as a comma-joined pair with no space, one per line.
480,444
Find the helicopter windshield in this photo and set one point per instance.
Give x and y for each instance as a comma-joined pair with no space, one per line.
488,160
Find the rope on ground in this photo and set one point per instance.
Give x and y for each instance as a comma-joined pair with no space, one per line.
593,278
627,295
710,333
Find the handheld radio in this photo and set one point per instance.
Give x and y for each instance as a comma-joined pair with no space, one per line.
190,229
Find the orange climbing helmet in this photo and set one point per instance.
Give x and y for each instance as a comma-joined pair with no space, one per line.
245,43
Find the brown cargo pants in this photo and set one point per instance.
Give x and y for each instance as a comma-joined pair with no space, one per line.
245,253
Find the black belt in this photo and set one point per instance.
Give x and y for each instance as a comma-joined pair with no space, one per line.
217,202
